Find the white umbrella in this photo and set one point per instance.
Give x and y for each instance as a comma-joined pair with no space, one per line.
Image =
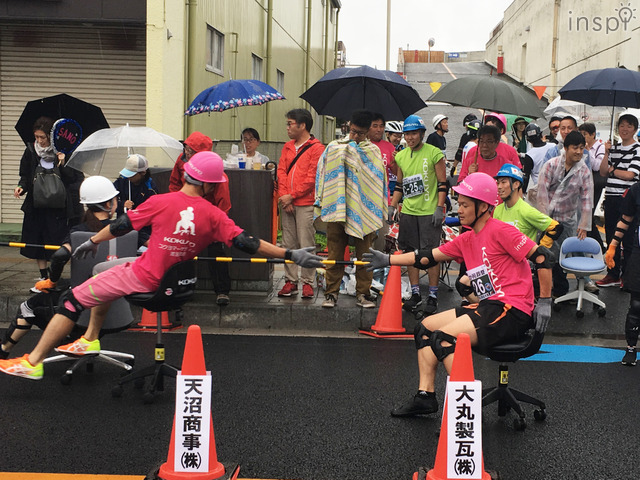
105,151
564,106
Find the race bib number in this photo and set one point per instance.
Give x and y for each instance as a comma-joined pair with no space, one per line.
481,282
412,186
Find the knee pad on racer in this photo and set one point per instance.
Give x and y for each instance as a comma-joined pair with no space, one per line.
441,352
418,332
13,326
68,298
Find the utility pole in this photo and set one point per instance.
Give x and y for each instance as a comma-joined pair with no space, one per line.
388,33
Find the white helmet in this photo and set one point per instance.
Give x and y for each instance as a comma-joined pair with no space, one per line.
437,119
96,190
393,127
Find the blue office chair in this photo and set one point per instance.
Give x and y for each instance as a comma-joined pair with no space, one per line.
582,258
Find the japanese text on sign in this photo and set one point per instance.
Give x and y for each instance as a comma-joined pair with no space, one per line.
464,435
193,420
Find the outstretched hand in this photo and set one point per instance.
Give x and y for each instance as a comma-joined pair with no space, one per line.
306,259
542,314
84,249
376,259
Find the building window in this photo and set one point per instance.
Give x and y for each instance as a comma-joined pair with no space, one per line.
256,67
280,81
215,50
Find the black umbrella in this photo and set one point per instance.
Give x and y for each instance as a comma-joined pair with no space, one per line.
343,90
90,117
489,93
610,87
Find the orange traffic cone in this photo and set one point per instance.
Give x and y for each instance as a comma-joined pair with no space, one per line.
193,364
389,320
461,371
149,321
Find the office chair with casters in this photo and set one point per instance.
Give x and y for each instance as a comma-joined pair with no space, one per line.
582,258
507,397
176,288
118,317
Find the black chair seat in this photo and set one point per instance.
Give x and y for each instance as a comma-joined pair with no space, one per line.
510,352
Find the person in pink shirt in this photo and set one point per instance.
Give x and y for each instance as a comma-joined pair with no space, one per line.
183,223
387,149
489,155
497,258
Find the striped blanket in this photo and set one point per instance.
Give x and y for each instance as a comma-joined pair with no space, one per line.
351,187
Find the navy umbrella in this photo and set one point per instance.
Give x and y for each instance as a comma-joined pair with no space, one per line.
343,90
232,94
611,87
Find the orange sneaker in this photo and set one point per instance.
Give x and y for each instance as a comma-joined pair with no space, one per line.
80,347
20,367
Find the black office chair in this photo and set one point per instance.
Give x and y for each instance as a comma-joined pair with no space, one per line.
118,317
175,289
507,397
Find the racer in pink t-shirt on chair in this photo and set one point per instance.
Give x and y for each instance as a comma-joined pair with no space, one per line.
183,223
496,255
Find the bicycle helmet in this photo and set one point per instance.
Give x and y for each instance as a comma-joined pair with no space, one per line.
96,190
393,127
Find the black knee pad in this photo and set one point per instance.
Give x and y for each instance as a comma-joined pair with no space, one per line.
632,323
463,290
440,351
13,326
70,314
418,332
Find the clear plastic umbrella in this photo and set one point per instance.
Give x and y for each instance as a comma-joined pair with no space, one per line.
105,151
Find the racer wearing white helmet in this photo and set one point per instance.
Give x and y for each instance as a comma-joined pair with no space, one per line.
441,124
393,130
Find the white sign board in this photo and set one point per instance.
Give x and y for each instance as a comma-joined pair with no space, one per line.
193,423
464,429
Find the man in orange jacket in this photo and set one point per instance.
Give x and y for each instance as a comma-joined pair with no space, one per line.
296,188
218,196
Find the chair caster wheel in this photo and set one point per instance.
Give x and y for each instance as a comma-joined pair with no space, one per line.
519,424
557,307
579,314
148,398
602,312
117,391
66,379
138,383
539,415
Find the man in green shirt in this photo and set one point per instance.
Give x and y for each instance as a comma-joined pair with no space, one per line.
422,188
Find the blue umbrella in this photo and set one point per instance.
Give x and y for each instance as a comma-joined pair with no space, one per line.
232,94
343,90
611,87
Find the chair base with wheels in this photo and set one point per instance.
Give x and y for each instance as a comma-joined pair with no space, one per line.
507,397
119,359
581,294
176,288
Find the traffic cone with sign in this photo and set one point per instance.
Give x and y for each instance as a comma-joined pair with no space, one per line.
389,320
461,371
196,457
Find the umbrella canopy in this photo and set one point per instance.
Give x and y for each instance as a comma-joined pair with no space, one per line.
105,151
491,94
89,116
343,90
232,94
613,87
560,107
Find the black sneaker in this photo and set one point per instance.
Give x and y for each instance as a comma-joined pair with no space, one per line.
629,358
431,307
3,355
417,405
413,303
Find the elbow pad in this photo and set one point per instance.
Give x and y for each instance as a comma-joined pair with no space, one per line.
58,260
246,243
120,226
428,254
548,258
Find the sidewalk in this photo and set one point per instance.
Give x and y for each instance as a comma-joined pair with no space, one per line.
267,313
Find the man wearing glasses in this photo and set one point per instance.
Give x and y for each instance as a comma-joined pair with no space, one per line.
489,155
351,197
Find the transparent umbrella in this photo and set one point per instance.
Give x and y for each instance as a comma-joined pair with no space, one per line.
105,151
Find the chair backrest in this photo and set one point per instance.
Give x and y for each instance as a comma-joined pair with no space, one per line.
588,246
176,287
119,316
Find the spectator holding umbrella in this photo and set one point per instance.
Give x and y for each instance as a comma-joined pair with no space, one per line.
46,225
489,155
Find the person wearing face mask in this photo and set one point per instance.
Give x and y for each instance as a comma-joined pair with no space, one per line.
46,226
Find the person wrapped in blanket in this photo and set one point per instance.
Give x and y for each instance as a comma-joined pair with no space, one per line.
99,197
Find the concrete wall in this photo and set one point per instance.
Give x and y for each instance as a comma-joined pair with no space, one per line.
244,24
590,35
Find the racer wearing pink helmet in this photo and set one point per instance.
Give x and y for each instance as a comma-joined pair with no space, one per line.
497,119
496,255
204,167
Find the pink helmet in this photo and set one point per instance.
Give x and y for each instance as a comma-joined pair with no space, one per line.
205,167
498,116
479,186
